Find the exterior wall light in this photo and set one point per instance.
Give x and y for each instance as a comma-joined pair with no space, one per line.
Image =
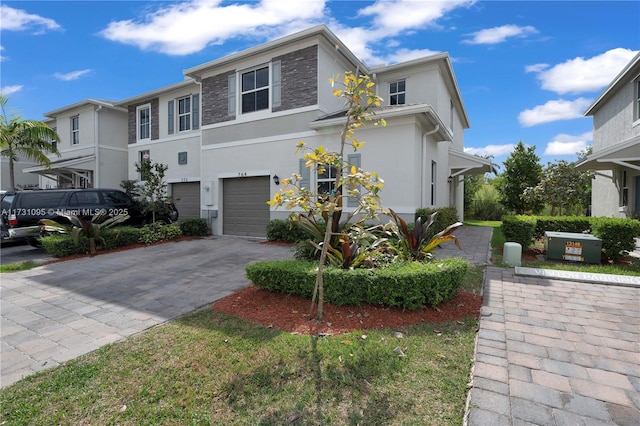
276,179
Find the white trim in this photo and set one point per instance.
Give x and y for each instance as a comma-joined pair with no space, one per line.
172,138
243,174
188,179
138,109
267,139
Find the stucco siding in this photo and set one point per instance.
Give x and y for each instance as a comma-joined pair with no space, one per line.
613,122
166,152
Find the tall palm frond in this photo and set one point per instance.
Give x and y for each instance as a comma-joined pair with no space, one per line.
30,139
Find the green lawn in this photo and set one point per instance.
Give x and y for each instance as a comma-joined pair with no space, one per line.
209,368
18,266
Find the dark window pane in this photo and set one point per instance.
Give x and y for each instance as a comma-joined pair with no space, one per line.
401,86
262,99
185,122
393,100
249,102
393,88
248,81
262,77
401,99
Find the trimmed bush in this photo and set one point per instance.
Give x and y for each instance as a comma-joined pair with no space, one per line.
158,231
617,235
560,224
194,226
62,245
519,229
286,231
410,285
119,237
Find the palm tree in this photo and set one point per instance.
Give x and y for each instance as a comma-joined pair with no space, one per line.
25,138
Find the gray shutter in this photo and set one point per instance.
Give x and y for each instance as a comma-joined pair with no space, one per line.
195,111
171,121
305,182
275,85
232,94
353,160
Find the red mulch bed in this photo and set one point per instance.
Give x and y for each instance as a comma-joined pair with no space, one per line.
291,313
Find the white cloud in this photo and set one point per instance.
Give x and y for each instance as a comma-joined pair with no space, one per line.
554,111
493,150
580,75
500,34
10,90
2,58
188,27
564,144
402,55
19,20
396,16
536,67
73,75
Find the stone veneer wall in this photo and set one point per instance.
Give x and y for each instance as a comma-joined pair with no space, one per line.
155,123
299,78
299,86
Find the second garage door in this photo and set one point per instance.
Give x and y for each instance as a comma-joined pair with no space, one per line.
187,198
245,208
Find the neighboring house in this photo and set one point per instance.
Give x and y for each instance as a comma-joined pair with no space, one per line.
259,103
164,126
616,146
93,147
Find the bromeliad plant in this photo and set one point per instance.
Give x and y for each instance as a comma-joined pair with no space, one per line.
415,244
90,228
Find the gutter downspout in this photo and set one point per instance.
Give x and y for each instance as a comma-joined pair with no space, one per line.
424,165
96,173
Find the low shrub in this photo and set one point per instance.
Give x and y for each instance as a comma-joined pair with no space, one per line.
409,285
617,235
519,229
158,231
194,226
560,224
286,231
120,237
62,245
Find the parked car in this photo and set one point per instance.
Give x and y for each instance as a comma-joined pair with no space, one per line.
22,210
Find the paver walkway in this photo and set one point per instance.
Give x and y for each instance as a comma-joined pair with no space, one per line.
553,352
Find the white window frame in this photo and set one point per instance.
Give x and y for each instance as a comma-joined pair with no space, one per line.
140,124
330,178
183,118
397,93
75,130
255,89
636,100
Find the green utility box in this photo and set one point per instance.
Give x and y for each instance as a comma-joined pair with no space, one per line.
572,247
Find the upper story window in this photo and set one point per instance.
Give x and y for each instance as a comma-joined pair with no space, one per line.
255,90
144,122
53,142
397,91
75,130
186,112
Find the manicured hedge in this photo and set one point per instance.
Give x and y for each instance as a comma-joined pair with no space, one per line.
285,231
194,226
617,235
411,285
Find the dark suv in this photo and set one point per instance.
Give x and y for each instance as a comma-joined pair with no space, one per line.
22,210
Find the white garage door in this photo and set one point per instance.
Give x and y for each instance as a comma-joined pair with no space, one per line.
187,198
245,208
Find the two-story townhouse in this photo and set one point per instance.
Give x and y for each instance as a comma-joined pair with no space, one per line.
259,103
616,146
164,126
93,146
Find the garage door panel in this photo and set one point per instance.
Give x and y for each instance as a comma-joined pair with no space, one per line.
245,208
186,196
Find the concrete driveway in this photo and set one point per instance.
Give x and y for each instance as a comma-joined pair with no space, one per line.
57,312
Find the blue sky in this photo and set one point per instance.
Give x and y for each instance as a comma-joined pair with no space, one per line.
527,70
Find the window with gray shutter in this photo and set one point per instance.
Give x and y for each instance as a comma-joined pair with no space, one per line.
170,111
277,101
232,95
353,160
